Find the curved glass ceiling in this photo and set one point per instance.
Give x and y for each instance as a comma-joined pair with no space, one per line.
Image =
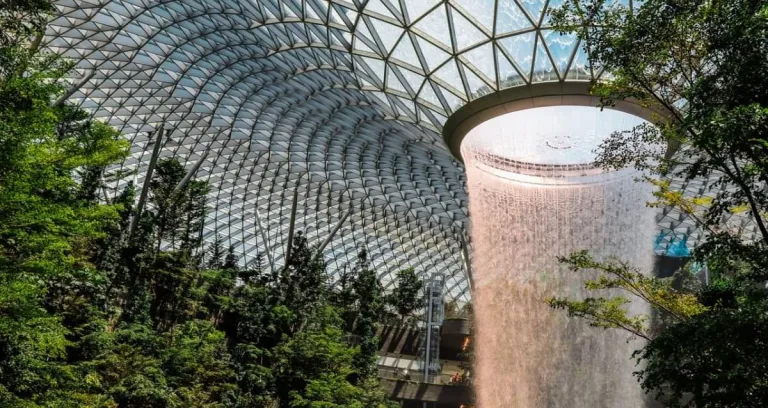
339,103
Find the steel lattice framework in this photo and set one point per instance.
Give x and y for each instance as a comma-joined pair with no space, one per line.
332,108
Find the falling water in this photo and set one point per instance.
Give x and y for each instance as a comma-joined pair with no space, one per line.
529,355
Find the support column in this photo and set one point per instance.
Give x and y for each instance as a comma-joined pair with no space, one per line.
467,263
291,224
147,178
264,239
330,236
183,183
63,97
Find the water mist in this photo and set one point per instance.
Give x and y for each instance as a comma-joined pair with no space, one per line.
535,195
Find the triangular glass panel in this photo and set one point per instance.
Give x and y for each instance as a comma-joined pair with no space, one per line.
340,38
289,11
520,49
269,12
360,45
477,87
335,17
381,100
433,54
350,14
482,59
534,9
388,33
398,12
543,70
377,6
435,25
449,74
428,95
408,107
315,38
509,18
393,82
298,32
376,66
508,75
561,47
362,29
481,10
413,79
365,83
405,52
310,13
580,66
453,101
417,8
465,33
440,119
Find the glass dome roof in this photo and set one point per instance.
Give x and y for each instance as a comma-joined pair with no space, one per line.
338,103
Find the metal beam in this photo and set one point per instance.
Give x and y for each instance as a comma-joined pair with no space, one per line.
63,97
467,263
147,178
332,234
183,183
291,224
264,239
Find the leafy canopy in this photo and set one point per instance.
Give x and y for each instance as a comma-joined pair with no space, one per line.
92,315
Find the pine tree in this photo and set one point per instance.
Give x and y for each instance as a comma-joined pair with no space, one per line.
406,298
368,292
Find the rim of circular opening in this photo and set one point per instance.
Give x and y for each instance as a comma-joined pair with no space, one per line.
532,96
589,178
539,169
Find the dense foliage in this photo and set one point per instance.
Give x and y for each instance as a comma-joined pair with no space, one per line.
406,298
93,314
703,65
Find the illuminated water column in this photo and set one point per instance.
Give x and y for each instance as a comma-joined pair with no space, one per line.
534,195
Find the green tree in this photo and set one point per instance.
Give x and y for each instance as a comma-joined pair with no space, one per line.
407,296
47,219
343,297
703,66
94,316
368,291
302,283
178,213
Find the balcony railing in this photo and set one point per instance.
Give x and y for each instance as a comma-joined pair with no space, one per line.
449,379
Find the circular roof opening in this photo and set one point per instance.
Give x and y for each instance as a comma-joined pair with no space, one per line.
551,135
547,142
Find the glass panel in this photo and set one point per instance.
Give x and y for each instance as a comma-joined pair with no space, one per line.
481,10
534,9
543,71
520,48
561,47
482,59
465,33
509,18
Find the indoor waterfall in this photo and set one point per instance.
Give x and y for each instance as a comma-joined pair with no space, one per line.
531,201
